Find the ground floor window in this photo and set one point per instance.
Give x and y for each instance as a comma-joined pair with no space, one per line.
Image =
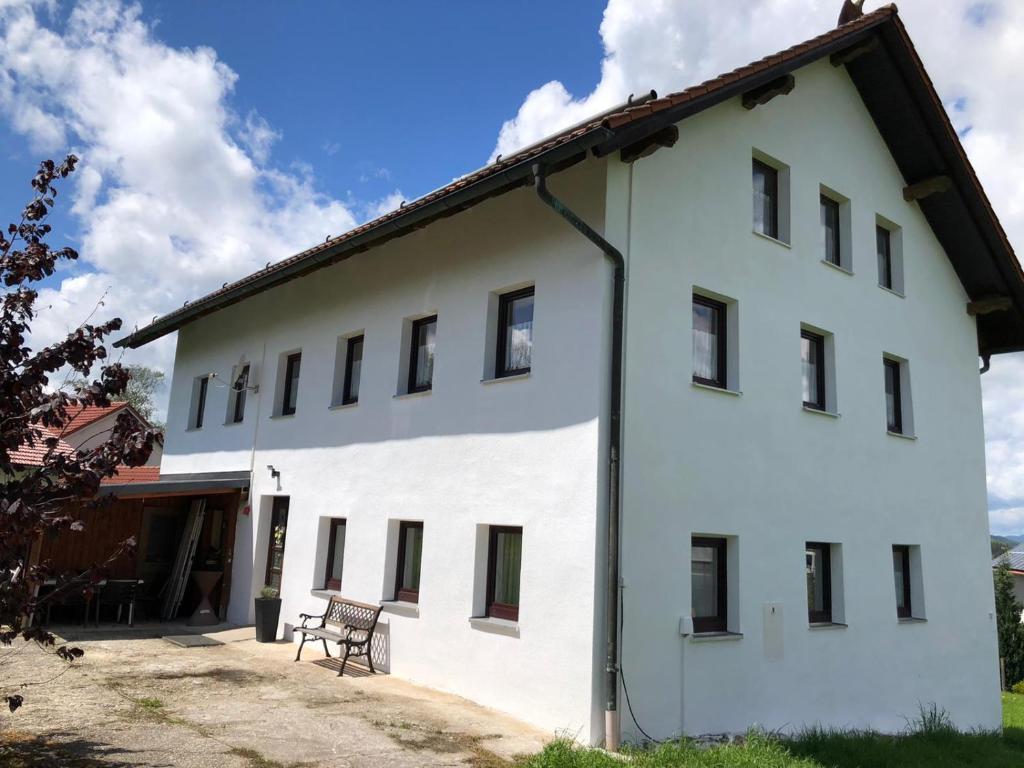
505,554
275,547
819,582
335,554
901,575
410,553
708,584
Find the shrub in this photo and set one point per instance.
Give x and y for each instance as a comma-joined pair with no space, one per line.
268,592
1018,688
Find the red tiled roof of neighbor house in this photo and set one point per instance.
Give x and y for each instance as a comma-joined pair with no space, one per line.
89,414
32,455
128,475
604,133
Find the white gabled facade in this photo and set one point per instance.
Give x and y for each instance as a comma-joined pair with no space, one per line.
750,465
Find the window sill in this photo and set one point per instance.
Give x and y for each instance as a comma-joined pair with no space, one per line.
325,594
912,620
826,625
513,377
771,239
401,608
495,626
820,412
710,388
411,395
900,435
342,406
234,423
838,267
893,292
715,637
281,416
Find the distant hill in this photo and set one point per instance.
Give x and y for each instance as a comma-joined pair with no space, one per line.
1005,543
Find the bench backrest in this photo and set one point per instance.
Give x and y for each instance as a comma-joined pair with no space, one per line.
349,613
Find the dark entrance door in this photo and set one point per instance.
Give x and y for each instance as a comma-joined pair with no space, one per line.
275,548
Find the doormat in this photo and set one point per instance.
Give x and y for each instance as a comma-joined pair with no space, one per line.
192,641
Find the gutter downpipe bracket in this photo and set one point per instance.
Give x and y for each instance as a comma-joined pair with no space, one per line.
613,254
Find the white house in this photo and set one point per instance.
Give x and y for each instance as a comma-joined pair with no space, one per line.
1015,560
705,425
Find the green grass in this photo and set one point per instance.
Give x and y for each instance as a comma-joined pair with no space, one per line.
934,744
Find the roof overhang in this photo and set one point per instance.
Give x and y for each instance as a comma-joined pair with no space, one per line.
191,484
897,92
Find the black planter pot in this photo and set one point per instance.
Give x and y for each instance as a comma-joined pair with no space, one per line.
268,611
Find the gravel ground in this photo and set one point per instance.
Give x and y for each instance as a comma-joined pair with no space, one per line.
144,702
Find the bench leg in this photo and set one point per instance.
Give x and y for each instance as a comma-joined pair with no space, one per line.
369,657
297,655
322,640
344,661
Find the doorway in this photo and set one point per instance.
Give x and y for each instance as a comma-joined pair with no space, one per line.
275,546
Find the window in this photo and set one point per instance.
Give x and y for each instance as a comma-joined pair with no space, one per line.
812,369
515,333
410,553
708,584
830,229
893,396
709,335
353,370
421,354
901,574
291,383
883,244
819,583
766,199
504,558
202,384
276,541
335,554
239,390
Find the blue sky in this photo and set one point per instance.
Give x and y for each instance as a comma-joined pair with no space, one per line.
218,137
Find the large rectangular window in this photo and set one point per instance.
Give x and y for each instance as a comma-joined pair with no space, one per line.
819,582
421,354
504,559
830,231
410,553
239,390
335,554
883,245
290,395
812,369
708,586
353,370
709,340
901,576
202,385
515,333
893,396
766,199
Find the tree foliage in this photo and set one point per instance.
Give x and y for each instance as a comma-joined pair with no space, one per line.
34,407
143,384
1008,625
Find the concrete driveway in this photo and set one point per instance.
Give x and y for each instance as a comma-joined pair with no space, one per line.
141,701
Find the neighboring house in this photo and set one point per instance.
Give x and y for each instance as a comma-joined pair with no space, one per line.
429,407
1015,559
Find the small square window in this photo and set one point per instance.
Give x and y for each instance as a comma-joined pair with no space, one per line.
819,582
901,575
410,553
504,560
515,333
708,587
709,342
335,554
199,412
353,370
290,395
830,231
812,369
239,390
766,199
421,354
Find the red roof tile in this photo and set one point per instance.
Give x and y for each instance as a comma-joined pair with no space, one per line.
32,455
127,475
89,414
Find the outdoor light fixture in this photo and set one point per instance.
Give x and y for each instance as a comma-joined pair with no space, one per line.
274,473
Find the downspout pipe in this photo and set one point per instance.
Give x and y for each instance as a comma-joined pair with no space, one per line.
611,664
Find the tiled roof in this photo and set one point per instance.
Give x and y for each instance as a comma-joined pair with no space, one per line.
1015,558
127,475
88,414
32,455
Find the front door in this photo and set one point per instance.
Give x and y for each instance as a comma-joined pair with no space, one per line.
275,548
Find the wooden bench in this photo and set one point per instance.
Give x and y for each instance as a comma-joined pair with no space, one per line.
345,622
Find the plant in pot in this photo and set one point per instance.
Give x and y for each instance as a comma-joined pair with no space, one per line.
268,611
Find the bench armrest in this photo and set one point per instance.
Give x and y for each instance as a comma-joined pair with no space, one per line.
307,616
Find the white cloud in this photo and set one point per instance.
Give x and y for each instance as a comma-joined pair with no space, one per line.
175,194
974,54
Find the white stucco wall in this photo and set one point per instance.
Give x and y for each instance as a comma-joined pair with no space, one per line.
757,467
99,431
519,452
